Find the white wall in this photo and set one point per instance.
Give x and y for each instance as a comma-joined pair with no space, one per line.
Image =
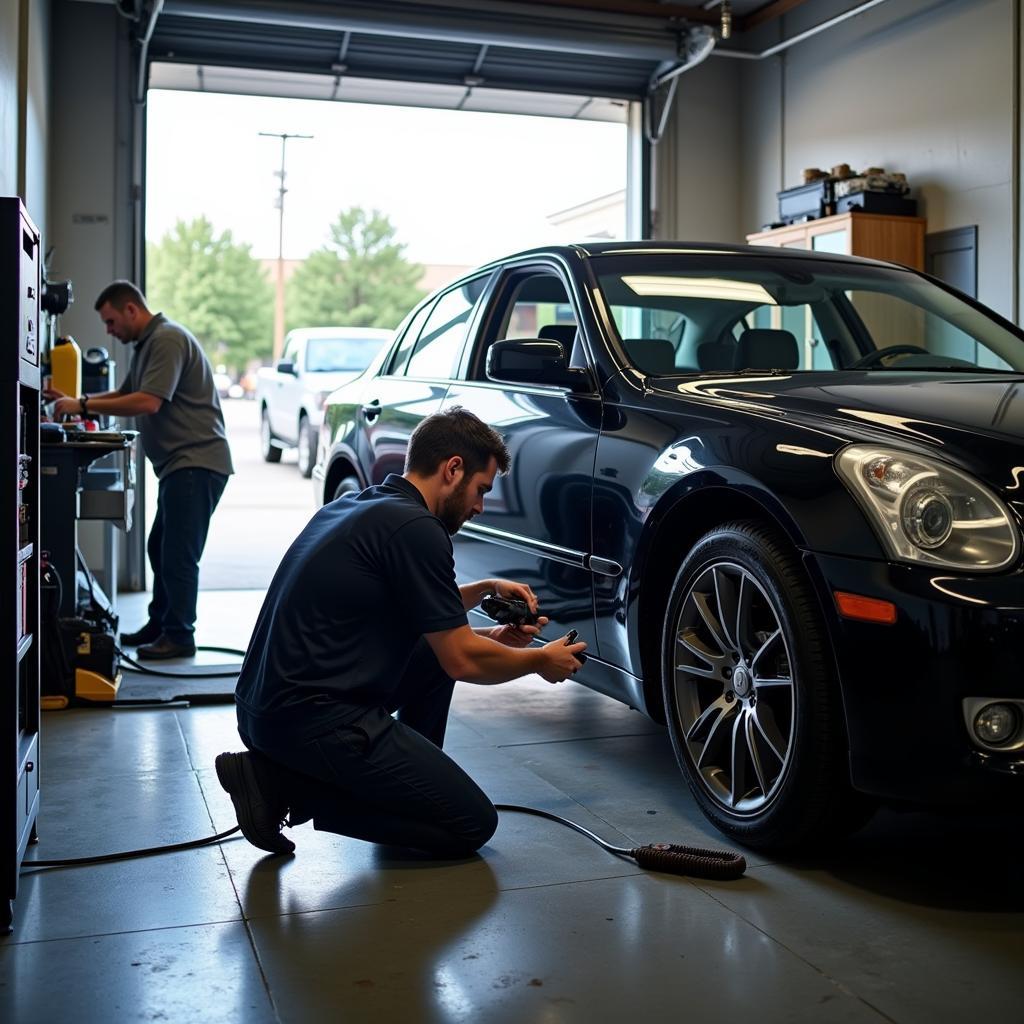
697,174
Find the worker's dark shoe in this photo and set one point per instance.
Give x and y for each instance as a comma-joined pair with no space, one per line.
259,814
164,647
149,632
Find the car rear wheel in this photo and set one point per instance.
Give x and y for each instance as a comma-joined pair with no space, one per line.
753,709
306,447
269,451
349,485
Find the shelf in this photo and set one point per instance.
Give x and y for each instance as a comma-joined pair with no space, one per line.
23,645
25,553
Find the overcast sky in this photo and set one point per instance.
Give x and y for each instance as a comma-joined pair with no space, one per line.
460,187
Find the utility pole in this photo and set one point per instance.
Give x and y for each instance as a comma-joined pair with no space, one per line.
279,301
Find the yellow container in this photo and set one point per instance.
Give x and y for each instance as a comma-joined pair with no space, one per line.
66,367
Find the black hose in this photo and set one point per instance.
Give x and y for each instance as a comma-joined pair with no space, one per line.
149,851
668,857
146,671
672,858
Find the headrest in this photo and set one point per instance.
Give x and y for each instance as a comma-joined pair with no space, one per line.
652,355
565,333
762,348
714,355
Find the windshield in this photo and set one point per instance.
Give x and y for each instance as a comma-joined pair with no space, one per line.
324,355
699,313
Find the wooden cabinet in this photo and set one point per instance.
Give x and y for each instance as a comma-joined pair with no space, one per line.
874,235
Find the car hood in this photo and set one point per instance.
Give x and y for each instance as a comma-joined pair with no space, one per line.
972,419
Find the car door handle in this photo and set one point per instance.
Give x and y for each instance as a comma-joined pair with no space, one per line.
372,410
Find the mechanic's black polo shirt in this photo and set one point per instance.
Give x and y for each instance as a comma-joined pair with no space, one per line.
367,577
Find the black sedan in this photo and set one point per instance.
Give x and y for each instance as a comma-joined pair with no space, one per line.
779,494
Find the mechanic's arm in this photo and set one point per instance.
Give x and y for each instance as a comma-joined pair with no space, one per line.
474,593
473,658
108,403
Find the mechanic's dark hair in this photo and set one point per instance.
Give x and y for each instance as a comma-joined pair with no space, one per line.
456,431
118,294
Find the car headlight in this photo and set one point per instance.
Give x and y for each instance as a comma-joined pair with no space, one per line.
929,512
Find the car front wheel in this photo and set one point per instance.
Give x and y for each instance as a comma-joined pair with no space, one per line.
269,451
752,705
350,485
306,447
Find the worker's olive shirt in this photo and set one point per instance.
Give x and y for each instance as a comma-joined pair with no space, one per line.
367,577
187,431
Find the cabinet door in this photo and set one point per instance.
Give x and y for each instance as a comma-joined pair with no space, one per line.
830,238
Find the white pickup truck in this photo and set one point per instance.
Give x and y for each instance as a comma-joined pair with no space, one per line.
291,395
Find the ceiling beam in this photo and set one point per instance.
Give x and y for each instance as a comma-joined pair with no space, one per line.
776,9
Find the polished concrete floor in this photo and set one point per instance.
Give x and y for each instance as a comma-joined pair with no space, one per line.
918,918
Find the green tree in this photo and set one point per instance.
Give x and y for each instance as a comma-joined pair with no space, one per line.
216,288
360,278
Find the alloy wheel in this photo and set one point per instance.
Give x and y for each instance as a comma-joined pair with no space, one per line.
734,690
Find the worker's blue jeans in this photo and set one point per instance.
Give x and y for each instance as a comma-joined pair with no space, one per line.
374,777
185,502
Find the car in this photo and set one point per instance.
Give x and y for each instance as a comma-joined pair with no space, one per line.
315,361
779,493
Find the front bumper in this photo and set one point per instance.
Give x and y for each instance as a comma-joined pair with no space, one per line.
904,685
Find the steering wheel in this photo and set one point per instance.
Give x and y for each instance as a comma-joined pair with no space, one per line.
883,353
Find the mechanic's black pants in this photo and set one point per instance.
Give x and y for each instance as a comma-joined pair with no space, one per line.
377,778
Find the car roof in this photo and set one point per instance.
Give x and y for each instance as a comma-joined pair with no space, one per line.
652,248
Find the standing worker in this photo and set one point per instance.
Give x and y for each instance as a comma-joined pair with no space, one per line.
362,619
169,387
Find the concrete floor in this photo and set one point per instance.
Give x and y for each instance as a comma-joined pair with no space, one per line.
916,919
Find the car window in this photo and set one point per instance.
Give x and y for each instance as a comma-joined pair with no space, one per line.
400,359
440,341
325,355
891,320
538,307
685,313
291,350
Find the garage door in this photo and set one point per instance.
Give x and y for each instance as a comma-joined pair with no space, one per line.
539,58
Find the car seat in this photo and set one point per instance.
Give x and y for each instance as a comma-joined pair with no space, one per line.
763,348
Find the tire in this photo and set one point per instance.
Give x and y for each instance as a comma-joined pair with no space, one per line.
269,451
349,485
753,710
306,447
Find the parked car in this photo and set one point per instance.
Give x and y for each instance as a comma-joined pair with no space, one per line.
779,493
291,394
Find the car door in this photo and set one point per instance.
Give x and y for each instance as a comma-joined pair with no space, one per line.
284,401
417,377
535,526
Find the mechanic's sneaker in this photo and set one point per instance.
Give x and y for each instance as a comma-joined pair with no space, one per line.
146,635
260,817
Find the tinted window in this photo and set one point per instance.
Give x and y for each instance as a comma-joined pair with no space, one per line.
400,359
440,342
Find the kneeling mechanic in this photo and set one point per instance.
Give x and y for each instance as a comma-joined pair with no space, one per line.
343,697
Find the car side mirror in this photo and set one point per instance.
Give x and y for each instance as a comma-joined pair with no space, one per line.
533,361
286,366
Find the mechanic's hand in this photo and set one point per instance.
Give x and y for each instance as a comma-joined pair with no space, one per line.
560,660
67,407
518,591
517,636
